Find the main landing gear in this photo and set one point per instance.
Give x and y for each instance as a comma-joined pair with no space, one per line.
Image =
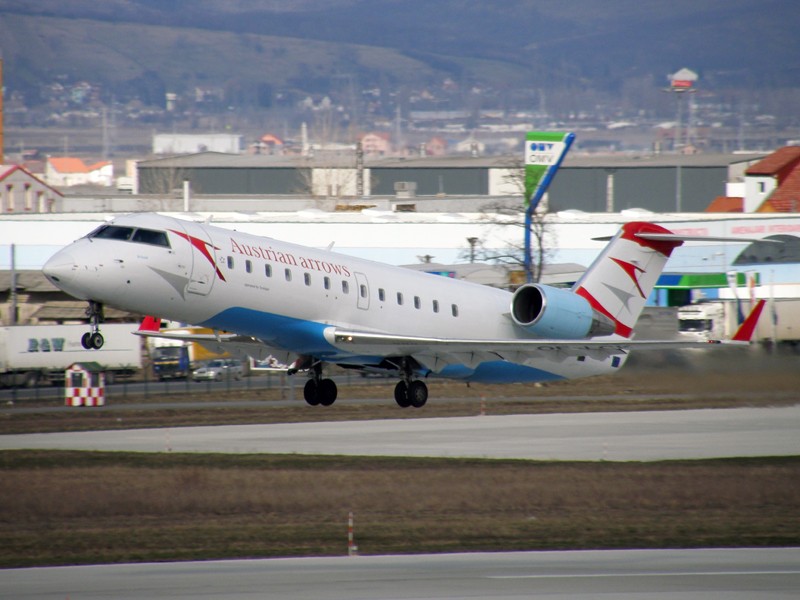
93,340
319,391
408,391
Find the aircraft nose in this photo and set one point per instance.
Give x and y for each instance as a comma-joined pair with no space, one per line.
60,269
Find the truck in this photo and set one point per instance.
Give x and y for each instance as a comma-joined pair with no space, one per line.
175,359
38,354
719,319
171,362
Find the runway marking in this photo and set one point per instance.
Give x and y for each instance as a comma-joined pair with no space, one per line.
646,574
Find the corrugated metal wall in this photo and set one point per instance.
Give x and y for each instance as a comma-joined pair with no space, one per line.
652,188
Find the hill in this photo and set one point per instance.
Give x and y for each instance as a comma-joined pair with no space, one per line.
262,52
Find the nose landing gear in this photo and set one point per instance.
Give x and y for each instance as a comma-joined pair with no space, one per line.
93,340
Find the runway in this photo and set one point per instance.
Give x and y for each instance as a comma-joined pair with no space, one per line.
641,574
625,436
772,573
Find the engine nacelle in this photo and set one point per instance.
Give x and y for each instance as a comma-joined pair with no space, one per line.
557,313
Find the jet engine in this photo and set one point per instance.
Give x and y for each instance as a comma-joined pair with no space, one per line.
557,313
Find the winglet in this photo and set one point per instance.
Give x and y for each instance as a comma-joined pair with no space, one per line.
150,324
746,329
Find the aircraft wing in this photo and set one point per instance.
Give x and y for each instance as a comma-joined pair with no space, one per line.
239,345
437,353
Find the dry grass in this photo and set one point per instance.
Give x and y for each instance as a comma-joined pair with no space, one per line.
630,390
72,507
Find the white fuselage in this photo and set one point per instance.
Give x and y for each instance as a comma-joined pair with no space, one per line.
285,295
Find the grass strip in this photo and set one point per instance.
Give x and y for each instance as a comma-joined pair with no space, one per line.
70,507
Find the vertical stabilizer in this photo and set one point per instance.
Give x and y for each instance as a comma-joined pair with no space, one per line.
620,280
748,327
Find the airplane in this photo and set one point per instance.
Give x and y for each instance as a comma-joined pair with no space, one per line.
309,307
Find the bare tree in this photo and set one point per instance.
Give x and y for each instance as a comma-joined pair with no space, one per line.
162,180
512,217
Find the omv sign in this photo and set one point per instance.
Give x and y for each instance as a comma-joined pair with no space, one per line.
543,153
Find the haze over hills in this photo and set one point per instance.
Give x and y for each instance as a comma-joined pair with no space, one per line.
601,43
548,55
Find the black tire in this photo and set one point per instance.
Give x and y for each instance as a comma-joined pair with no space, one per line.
401,395
327,392
96,340
418,394
311,393
86,340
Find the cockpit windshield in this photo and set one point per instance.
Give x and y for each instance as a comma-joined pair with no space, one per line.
152,237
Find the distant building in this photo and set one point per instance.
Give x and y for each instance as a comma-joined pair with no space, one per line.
771,184
470,146
68,171
436,146
267,144
658,183
184,143
377,143
23,192
774,183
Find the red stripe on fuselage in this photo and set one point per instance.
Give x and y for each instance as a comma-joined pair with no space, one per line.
202,246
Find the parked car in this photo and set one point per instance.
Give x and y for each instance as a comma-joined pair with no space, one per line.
219,370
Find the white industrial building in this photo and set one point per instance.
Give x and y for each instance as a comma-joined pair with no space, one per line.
185,143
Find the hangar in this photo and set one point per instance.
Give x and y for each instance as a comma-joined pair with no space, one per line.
659,183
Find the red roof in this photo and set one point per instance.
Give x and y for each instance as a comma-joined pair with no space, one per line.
6,170
785,198
726,204
779,164
68,164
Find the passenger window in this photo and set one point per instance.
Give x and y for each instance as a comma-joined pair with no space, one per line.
417,302
400,298
248,266
326,282
230,262
362,290
287,273
381,294
436,306
149,236
268,270
454,309
345,287
307,278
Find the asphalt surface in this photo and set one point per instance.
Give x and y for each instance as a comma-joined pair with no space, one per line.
733,574
620,436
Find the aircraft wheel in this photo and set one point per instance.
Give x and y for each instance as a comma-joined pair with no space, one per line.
96,340
86,340
311,393
401,395
418,394
327,392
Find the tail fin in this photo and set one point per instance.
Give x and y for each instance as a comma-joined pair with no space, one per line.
748,326
620,280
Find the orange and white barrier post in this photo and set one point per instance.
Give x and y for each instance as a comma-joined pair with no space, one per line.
352,549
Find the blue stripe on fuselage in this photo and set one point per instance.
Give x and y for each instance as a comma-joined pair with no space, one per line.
296,335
